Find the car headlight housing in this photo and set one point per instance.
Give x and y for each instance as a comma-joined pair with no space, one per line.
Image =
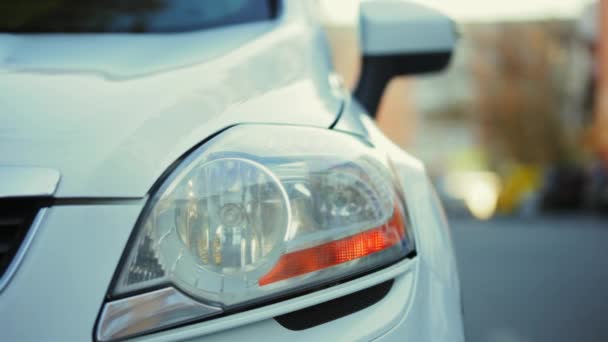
256,213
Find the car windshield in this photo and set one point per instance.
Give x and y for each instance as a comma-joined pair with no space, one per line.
134,16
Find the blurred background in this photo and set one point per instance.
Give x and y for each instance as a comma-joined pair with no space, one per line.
515,137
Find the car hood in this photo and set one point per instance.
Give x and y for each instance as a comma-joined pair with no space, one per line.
112,112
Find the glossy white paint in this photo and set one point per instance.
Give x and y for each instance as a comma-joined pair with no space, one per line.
398,27
19,181
112,112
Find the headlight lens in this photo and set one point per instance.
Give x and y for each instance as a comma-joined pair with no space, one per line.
260,211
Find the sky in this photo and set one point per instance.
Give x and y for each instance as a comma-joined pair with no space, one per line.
345,11
511,9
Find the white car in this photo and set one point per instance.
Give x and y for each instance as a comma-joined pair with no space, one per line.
193,170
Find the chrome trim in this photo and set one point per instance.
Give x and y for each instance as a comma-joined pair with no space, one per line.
26,181
25,244
149,312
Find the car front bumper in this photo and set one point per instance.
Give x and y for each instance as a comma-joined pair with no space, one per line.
58,290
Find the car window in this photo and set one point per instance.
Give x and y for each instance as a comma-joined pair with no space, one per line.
135,16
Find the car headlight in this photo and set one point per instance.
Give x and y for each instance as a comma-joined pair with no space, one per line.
256,213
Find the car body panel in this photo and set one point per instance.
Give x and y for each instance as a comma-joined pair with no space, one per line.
60,285
112,112
27,181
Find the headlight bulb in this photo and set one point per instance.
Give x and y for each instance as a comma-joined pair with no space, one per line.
239,213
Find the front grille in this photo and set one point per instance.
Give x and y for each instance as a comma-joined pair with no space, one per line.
16,218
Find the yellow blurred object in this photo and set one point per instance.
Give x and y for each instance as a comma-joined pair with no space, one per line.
482,200
523,181
478,189
471,158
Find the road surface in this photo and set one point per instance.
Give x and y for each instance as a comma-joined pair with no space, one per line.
534,280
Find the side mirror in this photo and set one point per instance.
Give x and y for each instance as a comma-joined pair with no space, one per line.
399,37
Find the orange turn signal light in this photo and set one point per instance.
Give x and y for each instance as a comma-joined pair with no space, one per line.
337,252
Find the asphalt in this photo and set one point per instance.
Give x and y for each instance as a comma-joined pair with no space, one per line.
538,279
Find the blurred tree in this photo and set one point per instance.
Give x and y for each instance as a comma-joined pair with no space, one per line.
599,131
520,72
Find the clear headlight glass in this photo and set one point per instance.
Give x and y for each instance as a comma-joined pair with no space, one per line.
261,211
